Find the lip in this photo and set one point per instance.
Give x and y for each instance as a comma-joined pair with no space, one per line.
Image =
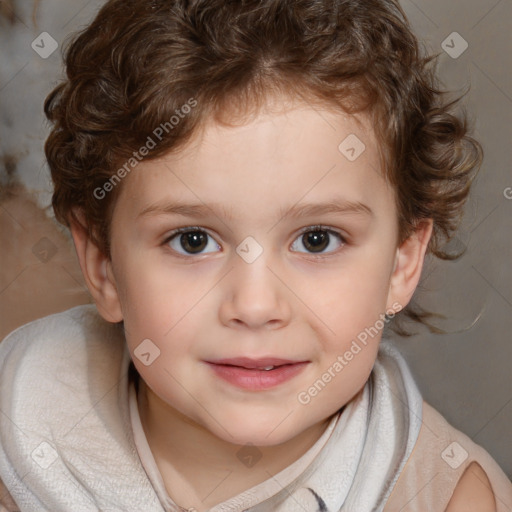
248,362
253,379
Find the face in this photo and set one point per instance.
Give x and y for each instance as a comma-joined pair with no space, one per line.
286,250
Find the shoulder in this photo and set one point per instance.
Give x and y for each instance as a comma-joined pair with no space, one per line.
473,492
448,471
66,331
55,326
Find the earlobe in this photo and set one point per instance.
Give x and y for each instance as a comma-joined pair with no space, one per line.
409,264
96,269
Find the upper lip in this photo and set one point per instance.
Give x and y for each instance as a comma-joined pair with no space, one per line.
247,362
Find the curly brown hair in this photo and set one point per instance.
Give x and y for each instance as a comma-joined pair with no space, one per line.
140,61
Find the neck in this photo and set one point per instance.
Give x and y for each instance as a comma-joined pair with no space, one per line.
200,470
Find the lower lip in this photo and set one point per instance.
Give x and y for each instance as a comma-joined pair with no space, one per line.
257,379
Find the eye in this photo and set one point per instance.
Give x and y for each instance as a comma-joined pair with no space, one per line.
192,241
316,239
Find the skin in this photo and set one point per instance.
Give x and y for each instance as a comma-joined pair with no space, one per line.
473,492
288,303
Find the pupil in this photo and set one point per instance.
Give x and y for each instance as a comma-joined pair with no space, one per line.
316,241
193,241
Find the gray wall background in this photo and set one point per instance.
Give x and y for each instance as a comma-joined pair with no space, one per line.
466,375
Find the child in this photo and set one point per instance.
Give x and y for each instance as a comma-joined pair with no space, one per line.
251,188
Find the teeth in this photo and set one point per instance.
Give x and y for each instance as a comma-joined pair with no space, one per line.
268,368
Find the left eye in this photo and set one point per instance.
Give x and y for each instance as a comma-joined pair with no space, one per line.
192,241
317,240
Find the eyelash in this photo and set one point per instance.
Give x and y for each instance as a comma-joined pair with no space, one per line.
308,229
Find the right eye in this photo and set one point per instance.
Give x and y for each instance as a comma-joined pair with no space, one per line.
191,241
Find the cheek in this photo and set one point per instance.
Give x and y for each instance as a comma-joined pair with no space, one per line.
349,299
160,336
347,311
154,297
166,309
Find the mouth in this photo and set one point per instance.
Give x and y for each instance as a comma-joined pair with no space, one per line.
256,374
264,363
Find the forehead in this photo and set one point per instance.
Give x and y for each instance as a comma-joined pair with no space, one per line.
281,157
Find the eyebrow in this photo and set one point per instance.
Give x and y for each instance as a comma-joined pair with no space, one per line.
337,206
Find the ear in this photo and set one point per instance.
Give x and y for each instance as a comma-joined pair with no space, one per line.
408,265
97,271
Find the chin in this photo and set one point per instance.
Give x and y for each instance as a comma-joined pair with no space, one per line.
243,434
262,440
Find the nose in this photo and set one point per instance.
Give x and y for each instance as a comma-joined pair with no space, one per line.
255,298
